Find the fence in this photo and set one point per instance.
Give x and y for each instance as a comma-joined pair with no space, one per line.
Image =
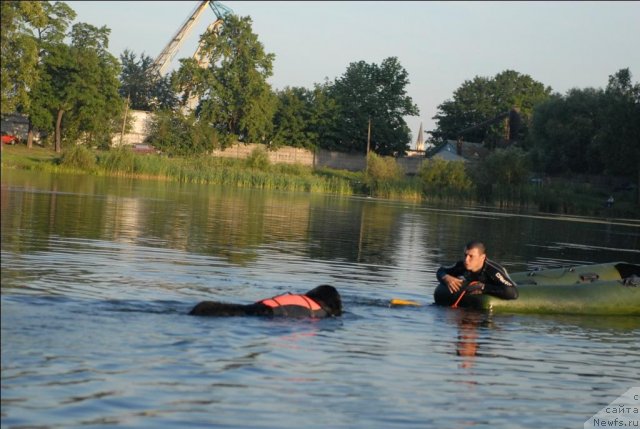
318,158
140,120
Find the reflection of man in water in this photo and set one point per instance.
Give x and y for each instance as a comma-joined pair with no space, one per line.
467,343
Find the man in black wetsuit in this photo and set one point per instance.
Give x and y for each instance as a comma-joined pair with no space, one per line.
476,270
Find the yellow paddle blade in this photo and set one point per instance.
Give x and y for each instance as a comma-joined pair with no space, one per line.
396,301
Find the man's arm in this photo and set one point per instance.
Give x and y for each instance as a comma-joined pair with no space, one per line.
455,270
500,284
449,276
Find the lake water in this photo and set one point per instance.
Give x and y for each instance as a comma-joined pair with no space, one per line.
98,275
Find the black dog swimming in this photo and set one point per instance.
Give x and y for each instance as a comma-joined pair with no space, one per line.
322,301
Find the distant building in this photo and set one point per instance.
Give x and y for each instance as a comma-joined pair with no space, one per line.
419,150
140,121
16,124
452,150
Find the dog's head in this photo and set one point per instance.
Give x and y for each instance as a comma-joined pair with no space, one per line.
328,298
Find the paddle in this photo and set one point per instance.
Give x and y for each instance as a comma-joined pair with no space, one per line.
405,302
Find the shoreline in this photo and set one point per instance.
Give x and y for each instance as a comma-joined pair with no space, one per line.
558,199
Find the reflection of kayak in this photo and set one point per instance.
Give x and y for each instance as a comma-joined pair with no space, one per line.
607,289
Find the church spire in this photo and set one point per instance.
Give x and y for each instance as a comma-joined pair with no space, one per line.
420,139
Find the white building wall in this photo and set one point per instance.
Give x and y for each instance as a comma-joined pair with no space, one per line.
140,122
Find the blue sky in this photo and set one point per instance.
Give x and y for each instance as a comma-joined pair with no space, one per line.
563,45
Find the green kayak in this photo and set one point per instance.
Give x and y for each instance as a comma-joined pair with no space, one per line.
581,274
599,289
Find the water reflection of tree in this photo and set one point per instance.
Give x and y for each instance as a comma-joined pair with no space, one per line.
233,225
355,231
48,206
228,223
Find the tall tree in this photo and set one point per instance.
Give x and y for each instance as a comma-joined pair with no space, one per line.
292,119
177,134
563,132
373,94
79,87
19,48
482,99
144,88
325,113
590,131
98,103
49,96
306,118
234,94
619,137
32,30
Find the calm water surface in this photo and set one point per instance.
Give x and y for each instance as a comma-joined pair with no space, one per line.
99,273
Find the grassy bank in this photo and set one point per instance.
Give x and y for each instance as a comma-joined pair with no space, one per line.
250,173
257,172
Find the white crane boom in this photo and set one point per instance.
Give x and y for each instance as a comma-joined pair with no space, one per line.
163,60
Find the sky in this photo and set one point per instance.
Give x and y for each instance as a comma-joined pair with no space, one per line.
564,45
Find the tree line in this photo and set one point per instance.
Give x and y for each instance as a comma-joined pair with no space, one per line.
57,84
585,131
64,79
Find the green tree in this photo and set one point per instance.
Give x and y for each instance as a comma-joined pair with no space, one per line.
440,177
482,99
144,88
51,26
292,119
98,103
619,136
377,94
325,113
177,134
19,47
49,95
78,89
192,82
590,131
235,97
505,170
563,132
29,31
382,169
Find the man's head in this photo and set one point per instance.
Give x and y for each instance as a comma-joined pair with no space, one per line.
474,256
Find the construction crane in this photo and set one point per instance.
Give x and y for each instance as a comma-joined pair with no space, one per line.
511,127
163,60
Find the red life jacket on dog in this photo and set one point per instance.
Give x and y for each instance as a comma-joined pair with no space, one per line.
294,306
